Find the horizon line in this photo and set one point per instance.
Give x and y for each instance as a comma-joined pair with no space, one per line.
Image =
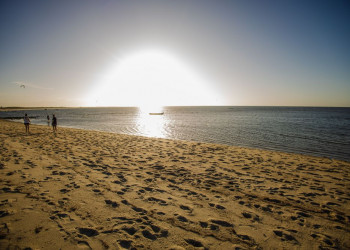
67,107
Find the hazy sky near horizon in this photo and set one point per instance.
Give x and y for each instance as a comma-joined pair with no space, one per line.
179,52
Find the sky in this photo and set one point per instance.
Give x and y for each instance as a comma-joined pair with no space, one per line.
175,52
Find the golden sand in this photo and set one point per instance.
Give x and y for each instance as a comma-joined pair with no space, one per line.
95,190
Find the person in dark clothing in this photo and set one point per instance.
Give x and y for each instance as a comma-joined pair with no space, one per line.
54,123
26,123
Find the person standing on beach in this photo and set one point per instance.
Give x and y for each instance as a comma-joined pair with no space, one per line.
26,122
54,123
48,120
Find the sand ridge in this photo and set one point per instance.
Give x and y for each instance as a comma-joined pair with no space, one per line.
97,190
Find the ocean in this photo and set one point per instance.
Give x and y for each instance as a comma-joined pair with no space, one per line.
306,130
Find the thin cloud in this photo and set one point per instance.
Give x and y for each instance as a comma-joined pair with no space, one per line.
30,85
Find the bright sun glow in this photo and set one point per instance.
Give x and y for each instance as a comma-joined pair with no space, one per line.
151,79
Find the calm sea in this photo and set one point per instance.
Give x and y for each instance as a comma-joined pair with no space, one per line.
312,131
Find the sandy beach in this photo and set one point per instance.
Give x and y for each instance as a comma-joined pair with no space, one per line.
97,190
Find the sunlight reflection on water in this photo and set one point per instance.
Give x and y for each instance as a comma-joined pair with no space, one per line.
151,125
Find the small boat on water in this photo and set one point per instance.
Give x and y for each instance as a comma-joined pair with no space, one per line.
162,113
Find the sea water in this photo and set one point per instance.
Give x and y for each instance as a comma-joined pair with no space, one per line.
306,130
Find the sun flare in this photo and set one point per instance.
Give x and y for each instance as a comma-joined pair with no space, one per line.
151,79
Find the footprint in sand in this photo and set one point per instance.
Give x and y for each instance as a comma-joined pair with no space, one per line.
185,207
129,230
222,223
111,203
147,234
64,190
249,215
125,243
182,218
217,206
83,244
139,210
203,224
159,201
284,236
324,239
88,232
194,243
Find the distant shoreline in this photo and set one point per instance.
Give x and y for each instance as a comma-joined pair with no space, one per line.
31,108
238,106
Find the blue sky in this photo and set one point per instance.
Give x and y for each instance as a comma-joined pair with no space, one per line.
289,53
